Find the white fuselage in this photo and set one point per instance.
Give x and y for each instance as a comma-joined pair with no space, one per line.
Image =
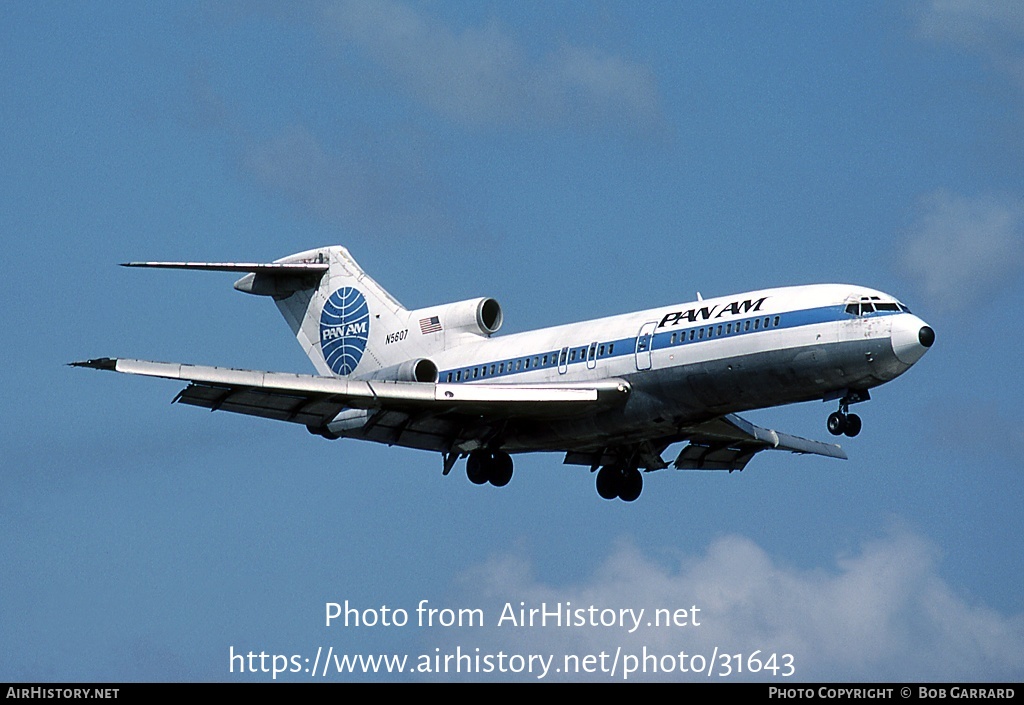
702,359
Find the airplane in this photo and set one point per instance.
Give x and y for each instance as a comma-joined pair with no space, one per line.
611,394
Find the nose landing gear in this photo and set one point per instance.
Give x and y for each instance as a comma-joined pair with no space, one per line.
842,421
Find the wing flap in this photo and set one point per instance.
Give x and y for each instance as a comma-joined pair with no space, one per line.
297,408
701,457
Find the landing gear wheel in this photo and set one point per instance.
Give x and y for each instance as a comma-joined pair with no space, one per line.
477,467
624,483
608,480
836,423
500,469
632,485
853,425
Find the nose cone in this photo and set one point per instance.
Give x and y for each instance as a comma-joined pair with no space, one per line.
911,338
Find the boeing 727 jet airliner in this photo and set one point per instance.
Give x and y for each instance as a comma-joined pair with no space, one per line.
611,394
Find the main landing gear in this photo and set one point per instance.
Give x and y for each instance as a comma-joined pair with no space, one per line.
485,466
626,483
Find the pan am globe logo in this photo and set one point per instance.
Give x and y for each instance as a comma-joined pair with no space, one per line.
344,329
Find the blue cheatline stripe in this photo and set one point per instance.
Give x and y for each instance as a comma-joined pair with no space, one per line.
662,339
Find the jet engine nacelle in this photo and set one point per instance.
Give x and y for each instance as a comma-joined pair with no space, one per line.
418,370
477,316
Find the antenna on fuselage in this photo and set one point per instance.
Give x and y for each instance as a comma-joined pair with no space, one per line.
699,297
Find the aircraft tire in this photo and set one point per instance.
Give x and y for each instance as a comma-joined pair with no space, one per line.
608,481
853,425
632,485
500,469
477,467
836,423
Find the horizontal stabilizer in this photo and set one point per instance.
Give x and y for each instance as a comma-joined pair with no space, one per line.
273,268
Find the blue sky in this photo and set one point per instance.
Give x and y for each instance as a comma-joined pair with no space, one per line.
572,160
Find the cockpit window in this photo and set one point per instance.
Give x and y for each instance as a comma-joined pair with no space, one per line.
871,304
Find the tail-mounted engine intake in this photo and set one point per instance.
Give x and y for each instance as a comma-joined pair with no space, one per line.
478,316
419,370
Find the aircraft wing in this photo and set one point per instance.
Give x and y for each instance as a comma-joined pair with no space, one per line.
314,400
729,442
722,443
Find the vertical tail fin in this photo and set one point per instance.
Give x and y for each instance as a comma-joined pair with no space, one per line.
341,317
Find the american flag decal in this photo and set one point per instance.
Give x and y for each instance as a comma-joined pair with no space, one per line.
430,325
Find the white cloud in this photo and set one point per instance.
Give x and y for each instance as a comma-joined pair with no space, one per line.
960,249
882,614
482,75
993,28
373,192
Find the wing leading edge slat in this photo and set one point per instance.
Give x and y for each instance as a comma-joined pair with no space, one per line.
315,400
